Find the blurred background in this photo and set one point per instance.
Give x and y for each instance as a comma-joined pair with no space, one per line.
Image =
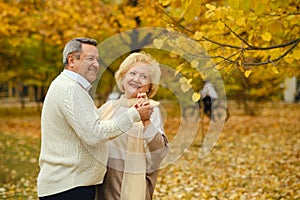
254,46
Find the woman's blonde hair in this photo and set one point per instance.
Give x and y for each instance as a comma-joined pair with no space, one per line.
129,62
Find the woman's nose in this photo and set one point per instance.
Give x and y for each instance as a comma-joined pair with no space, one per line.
136,78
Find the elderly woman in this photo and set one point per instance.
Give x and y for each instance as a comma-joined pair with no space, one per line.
134,158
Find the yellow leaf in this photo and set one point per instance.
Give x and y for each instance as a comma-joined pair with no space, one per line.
195,63
158,43
219,13
234,3
182,80
274,69
210,6
220,25
245,5
165,2
198,35
192,9
259,8
267,36
296,54
247,73
218,67
185,87
196,75
289,59
252,17
196,96
242,68
275,53
179,68
241,21
206,45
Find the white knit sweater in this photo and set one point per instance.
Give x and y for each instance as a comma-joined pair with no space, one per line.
73,150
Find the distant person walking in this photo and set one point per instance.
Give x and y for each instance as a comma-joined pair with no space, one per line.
208,96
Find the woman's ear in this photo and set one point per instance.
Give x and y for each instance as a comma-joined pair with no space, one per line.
122,83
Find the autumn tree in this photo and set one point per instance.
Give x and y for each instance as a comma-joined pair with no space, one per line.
253,43
243,38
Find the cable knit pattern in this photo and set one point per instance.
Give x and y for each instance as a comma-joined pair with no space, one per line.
73,150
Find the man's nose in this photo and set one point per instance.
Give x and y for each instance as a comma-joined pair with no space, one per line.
96,63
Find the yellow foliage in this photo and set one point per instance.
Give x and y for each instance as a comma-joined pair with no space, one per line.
165,2
247,73
289,59
218,67
220,25
242,68
196,96
259,8
195,63
158,43
234,4
192,9
275,70
206,45
267,36
210,6
185,87
198,35
241,21
179,68
245,4
296,54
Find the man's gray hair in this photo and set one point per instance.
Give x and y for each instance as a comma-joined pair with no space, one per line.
75,45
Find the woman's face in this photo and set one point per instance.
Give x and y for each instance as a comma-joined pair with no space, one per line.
136,80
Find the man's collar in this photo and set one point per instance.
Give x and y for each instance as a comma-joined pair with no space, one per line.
78,78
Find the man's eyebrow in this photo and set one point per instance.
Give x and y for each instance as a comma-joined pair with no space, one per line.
92,56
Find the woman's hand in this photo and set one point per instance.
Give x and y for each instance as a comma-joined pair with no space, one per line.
146,123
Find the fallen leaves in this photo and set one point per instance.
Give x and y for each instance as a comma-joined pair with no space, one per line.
254,158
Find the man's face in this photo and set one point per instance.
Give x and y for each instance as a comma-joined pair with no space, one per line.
88,65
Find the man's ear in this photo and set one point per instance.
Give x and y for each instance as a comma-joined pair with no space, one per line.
71,59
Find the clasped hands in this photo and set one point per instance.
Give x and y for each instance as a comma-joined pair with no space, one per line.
144,108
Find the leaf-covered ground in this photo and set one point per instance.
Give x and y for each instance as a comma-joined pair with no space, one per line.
255,157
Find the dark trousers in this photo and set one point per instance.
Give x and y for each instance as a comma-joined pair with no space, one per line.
78,193
207,102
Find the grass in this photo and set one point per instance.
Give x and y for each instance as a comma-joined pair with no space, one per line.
19,149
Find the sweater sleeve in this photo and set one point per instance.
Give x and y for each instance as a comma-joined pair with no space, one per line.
83,116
